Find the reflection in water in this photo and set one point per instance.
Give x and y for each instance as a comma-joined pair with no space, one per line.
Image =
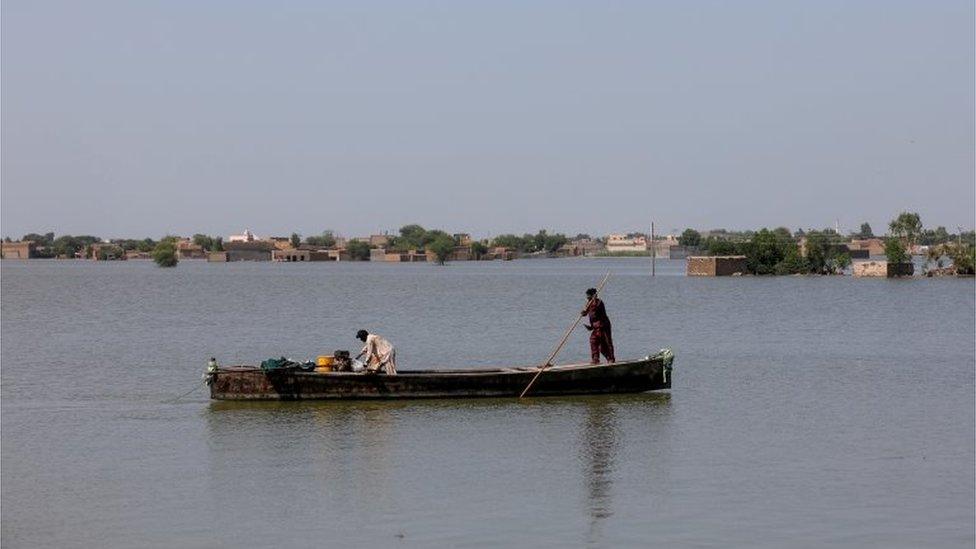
598,447
329,451
357,443
348,458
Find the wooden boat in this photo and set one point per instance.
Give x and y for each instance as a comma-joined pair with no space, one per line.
633,376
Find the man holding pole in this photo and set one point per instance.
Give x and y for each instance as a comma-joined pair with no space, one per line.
591,294
601,338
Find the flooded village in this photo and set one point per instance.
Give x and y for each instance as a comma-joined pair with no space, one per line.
601,275
716,252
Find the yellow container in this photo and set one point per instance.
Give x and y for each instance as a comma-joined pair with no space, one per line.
325,361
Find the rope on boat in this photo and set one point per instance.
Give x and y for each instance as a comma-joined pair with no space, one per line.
208,378
195,387
667,358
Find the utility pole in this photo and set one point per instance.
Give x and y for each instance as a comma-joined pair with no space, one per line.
653,250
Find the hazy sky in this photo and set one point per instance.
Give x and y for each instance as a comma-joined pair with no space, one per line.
139,118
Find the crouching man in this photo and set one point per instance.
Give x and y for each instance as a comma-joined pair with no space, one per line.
378,353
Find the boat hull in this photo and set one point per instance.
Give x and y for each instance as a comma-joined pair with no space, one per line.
634,376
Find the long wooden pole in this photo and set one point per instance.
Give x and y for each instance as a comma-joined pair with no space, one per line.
653,250
565,337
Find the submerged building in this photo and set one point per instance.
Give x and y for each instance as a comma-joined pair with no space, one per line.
18,250
623,243
256,250
716,265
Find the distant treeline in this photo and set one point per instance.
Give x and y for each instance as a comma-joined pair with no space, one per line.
541,241
63,246
69,246
768,251
416,237
777,251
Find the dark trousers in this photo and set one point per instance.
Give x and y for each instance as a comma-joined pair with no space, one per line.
601,341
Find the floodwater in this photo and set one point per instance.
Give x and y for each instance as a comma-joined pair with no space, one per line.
806,411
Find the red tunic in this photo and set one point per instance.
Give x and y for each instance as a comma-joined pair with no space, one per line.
601,337
597,313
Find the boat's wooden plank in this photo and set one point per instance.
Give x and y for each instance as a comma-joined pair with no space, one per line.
246,383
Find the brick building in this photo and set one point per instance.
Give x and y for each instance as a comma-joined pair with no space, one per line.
716,265
19,250
186,249
255,250
291,255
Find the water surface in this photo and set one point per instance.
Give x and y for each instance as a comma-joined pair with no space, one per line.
806,411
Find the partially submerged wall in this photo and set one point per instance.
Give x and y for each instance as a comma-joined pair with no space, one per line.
882,269
718,265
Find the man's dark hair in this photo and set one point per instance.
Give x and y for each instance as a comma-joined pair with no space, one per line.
591,292
361,334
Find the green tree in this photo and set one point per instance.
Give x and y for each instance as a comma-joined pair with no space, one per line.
817,251
146,245
939,236
865,231
840,262
720,246
358,250
907,226
969,237
107,253
325,240
764,252
509,241
478,250
442,247
824,252
768,252
895,250
690,238
553,242
433,235
164,254
296,240
792,263
963,257
217,245
412,236
202,240
68,246
539,240
39,239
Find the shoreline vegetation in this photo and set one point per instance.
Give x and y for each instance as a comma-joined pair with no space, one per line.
777,251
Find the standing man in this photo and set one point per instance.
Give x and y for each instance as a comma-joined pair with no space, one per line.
601,339
378,352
